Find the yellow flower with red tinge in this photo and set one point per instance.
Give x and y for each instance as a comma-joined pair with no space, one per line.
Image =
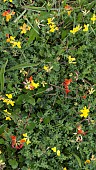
69,9
8,14
30,84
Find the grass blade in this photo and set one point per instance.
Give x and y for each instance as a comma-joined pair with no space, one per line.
19,66
2,71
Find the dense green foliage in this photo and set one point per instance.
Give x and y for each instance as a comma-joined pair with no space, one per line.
48,85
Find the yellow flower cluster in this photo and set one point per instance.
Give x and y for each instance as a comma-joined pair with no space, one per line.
26,138
7,117
24,28
84,112
71,60
51,25
55,150
8,100
14,43
76,29
85,29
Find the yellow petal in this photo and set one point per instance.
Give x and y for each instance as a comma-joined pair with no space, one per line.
25,135
54,149
58,152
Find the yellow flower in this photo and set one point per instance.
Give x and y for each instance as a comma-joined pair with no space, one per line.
93,18
71,60
7,112
26,138
87,161
19,44
0,151
2,163
11,102
8,17
69,12
85,112
76,29
46,68
8,118
58,152
12,38
8,101
93,158
24,28
14,43
54,149
50,21
28,141
65,168
25,135
23,72
86,27
9,96
91,91
43,83
51,25
34,84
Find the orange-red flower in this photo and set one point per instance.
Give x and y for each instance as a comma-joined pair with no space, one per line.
17,144
8,14
66,83
80,131
84,97
68,7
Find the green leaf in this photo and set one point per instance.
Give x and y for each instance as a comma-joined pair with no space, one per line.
31,126
19,66
2,71
32,35
77,158
2,128
34,8
46,120
2,141
31,100
13,163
